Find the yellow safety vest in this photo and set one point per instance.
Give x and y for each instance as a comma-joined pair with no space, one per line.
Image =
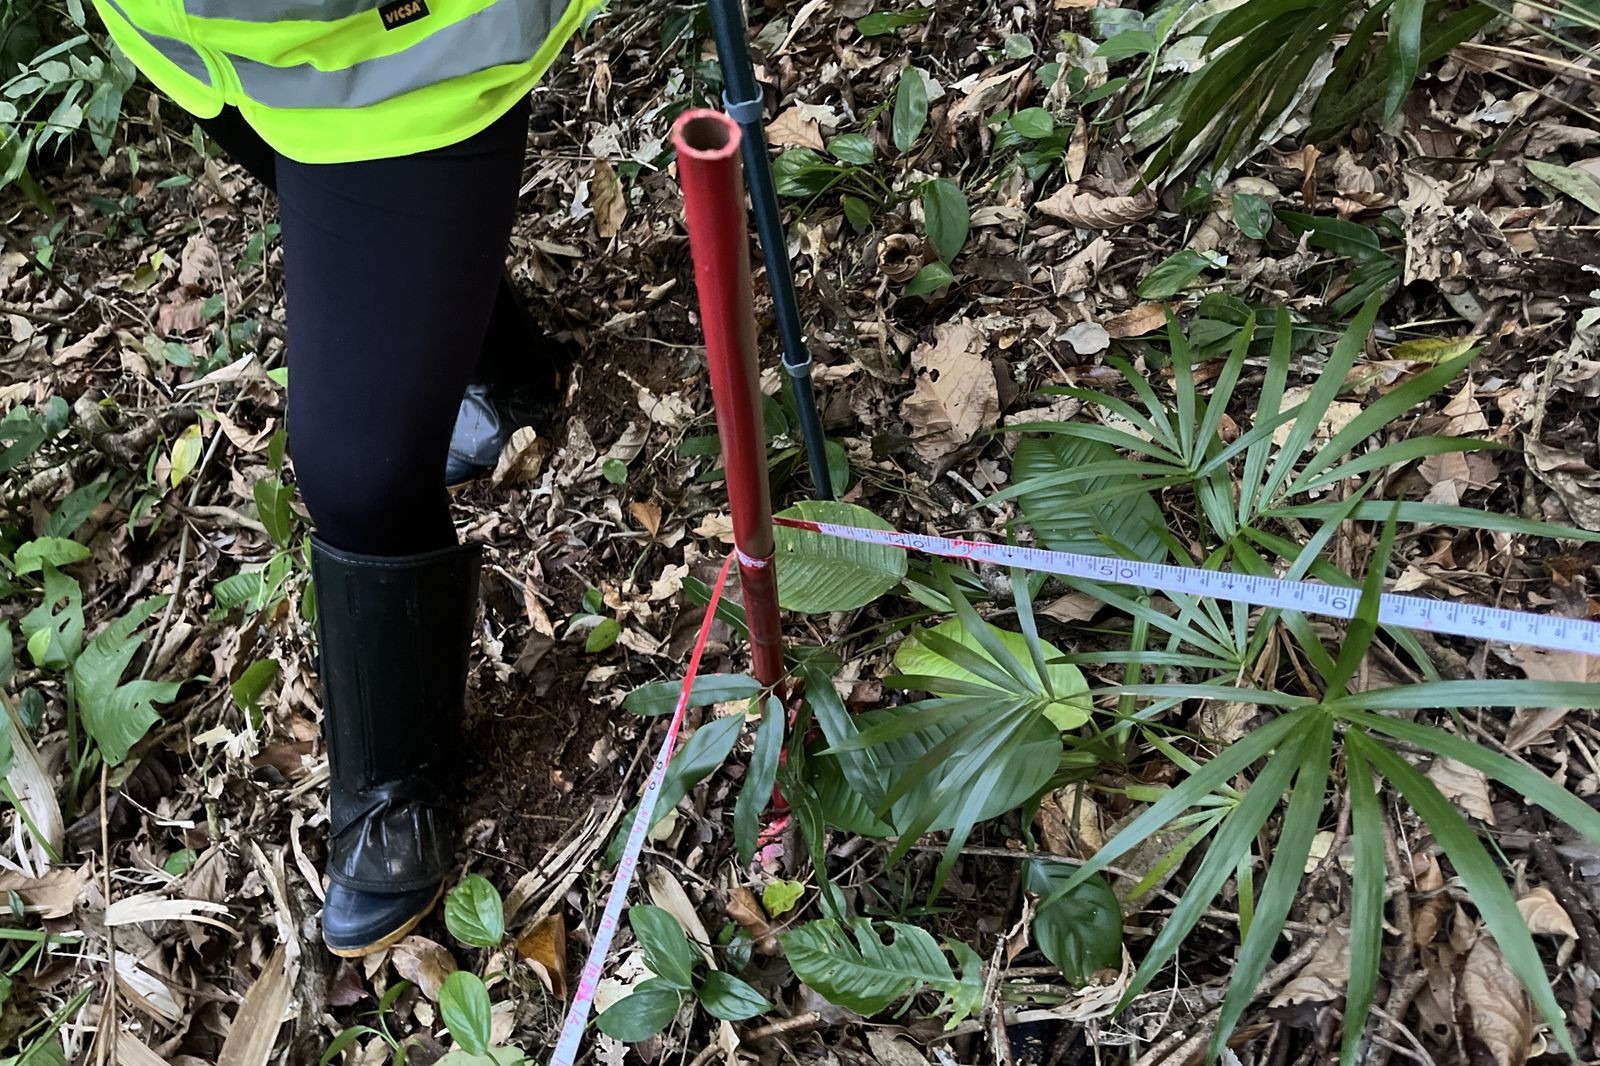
333,81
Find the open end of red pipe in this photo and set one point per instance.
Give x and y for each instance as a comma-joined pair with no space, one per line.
705,134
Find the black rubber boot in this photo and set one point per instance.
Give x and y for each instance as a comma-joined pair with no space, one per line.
520,380
395,633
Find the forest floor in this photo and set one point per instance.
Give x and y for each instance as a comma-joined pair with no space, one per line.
152,301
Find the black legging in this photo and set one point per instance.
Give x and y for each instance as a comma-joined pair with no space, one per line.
394,270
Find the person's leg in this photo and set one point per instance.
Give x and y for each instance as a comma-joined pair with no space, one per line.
243,145
391,268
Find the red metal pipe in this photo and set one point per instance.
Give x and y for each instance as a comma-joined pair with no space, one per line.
707,144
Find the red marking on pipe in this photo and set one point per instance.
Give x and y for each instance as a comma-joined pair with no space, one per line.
707,144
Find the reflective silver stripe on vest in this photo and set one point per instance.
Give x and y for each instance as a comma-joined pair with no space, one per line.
179,53
279,10
509,31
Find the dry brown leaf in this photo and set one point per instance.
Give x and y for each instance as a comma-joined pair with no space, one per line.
1340,413
200,267
1324,976
1095,211
1573,480
51,896
900,256
1427,914
36,839
1534,725
647,514
1544,915
1466,785
522,459
890,1049
1137,321
607,199
424,963
255,1027
1466,416
956,395
717,526
1069,822
545,945
1073,607
131,1051
1496,1010
667,892
745,908
791,129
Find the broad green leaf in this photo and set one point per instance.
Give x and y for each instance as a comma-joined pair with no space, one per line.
818,574
76,508
253,684
944,208
1056,512
755,793
727,997
843,805
880,23
8,660
474,913
185,454
1035,123
1403,51
56,551
641,1014
272,507
1127,44
852,148
870,977
116,715
666,946
1068,710
1173,274
780,897
53,630
237,590
1569,180
1252,214
910,108
929,279
603,636
661,697
1081,932
802,172
464,1008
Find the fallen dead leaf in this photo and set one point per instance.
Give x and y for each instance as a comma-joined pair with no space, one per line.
1466,785
607,199
50,896
1096,211
255,1027
1493,1006
1137,321
1073,607
1324,976
890,1049
1544,915
745,908
1340,413
647,514
424,963
956,395
717,526
545,946
522,459
1069,822
792,129
667,893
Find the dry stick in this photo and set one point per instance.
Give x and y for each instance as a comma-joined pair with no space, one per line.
1555,872
109,1015
1402,992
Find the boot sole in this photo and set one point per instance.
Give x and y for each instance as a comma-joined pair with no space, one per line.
389,940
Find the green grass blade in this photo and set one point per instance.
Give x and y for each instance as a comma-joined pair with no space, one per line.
1261,697
1222,390
1509,693
1441,514
1480,876
1364,626
1366,900
1396,454
1520,778
756,791
1255,463
1232,842
1030,628
1195,787
1313,758
1322,395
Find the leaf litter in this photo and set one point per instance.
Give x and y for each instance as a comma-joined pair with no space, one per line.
1492,236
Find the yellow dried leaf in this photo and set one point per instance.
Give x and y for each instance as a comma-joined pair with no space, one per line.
185,454
1465,785
1544,915
545,945
424,963
1137,321
1491,1000
607,199
1431,349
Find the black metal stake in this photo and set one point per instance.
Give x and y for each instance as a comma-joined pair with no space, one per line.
741,98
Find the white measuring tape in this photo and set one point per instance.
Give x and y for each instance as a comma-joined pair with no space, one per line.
1311,597
1412,612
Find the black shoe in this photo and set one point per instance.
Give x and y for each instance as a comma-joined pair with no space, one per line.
395,632
510,390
